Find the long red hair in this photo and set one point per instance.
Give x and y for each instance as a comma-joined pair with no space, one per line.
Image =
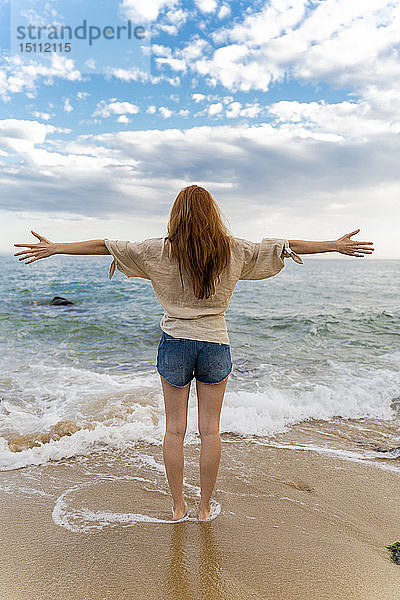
199,240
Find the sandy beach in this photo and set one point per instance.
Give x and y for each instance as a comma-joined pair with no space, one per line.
293,524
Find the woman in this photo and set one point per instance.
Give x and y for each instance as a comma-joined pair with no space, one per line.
194,271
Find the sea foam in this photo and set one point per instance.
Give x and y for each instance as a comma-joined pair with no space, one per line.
135,413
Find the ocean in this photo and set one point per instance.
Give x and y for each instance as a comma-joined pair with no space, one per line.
315,351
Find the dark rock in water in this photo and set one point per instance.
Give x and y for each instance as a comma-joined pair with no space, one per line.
59,301
395,403
394,549
392,452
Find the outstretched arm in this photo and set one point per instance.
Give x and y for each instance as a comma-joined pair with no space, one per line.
45,248
343,245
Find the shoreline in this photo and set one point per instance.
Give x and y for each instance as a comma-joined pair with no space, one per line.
293,524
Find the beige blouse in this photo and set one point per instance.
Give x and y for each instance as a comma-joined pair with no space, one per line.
184,315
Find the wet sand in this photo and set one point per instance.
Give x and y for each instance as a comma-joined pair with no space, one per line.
294,524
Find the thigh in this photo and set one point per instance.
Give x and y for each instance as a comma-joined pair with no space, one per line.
176,405
213,362
210,398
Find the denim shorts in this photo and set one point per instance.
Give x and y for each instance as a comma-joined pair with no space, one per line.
180,359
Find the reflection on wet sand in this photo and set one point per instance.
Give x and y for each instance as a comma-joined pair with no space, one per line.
178,572
188,578
210,568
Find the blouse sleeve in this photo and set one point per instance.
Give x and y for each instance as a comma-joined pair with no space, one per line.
266,258
128,257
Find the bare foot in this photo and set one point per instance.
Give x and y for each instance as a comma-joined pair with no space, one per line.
204,511
179,511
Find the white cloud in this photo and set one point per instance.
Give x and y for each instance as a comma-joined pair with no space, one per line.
224,11
90,63
21,75
144,10
21,136
173,21
170,29
134,74
104,109
52,129
67,106
349,120
251,110
82,95
206,6
194,49
151,109
198,97
164,57
235,68
233,110
123,119
165,112
178,16
42,115
347,44
215,109
354,43
181,58
176,64
260,26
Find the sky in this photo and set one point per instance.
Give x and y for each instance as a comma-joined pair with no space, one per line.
287,111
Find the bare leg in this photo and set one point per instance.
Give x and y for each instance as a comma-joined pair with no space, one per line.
210,397
176,406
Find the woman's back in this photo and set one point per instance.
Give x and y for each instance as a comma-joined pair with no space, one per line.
185,315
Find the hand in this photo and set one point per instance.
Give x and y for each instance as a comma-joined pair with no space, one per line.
352,247
43,249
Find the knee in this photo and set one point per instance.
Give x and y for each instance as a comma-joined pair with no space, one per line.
176,430
208,433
